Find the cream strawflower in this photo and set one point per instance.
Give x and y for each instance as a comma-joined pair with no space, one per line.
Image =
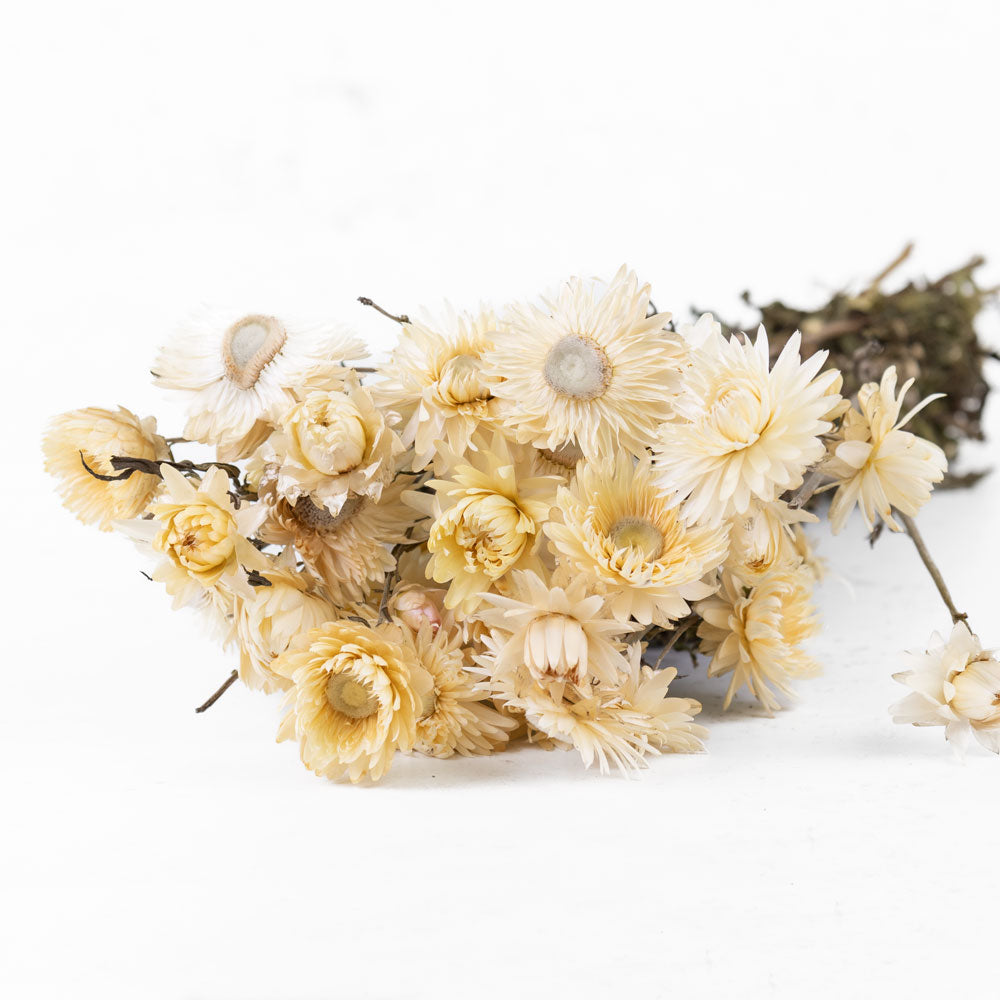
956,684
763,540
553,632
331,445
756,634
742,431
355,698
237,369
487,519
629,540
877,465
95,436
590,365
457,715
202,536
267,623
350,551
435,379
561,461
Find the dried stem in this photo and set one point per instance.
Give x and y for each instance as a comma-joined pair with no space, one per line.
227,684
918,541
809,486
365,301
679,630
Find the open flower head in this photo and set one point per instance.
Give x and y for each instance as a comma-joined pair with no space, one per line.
956,684
331,445
201,536
356,695
745,430
435,379
589,365
487,518
756,634
95,436
237,370
876,464
763,539
625,535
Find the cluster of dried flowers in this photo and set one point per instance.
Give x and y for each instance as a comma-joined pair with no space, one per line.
493,534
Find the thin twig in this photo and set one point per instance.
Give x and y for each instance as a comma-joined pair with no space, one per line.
914,533
681,627
809,486
890,267
227,684
365,301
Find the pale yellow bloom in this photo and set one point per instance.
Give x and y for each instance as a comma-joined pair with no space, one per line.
202,536
457,715
95,436
876,464
756,634
331,445
487,519
744,430
627,537
356,695
269,621
956,684
590,365
434,378
763,539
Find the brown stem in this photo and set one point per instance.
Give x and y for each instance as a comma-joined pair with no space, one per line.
365,301
682,627
227,684
925,556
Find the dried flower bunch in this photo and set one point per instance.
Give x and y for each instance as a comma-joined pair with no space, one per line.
505,529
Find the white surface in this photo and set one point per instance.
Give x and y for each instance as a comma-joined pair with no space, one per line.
295,157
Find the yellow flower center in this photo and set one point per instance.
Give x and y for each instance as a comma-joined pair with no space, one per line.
578,367
248,346
461,381
350,696
639,534
330,433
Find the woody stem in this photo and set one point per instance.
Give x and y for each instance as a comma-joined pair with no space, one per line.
925,556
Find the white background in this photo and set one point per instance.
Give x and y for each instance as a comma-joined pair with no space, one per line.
294,156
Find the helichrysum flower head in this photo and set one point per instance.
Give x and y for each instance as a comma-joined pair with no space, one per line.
350,551
267,623
622,532
744,430
956,684
331,445
878,466
435,379
237,370
554,632
95,436
487,518
756,634
589,365
202,536
356,694
457,715
763,539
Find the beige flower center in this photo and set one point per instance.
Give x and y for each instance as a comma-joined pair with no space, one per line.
350,696
330,433
200,538
461,381
320,520
577,367
639,534
566,455
248,346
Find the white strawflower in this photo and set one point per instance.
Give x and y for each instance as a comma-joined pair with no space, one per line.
956,684
589,366
763,539
237,370
744,430
434,378
877,465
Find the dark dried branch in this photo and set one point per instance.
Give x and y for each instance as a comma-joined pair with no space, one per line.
925,556
365,301
226,685
256,580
